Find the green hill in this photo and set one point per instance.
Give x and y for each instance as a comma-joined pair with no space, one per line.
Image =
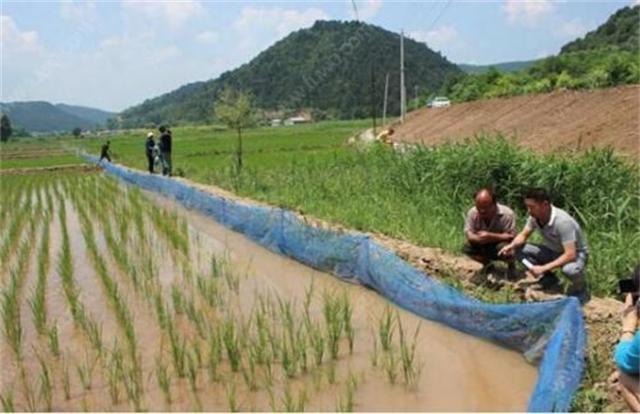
603,58
621,30
326,68
40,116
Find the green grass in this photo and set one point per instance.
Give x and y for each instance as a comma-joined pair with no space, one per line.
37,152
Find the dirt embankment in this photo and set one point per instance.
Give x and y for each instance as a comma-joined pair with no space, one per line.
563,121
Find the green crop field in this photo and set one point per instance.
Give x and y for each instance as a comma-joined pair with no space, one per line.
37,152
421,196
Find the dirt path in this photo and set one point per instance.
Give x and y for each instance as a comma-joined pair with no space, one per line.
563,121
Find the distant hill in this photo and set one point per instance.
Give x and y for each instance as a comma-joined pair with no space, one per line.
40,116
504,67
621,30
605,57
97,116
326,68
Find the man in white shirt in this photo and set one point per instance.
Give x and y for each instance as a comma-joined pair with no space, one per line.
564,245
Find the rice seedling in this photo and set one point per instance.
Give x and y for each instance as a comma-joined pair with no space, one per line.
46,386
346,403
231,343
333,323
347,312
232,401
374,353
133,386
85,374
11,316
163,379
214,356
29,397
66,381
386,329
37,302
192,372
391,365
331,372
249,374
114,368
177,350
288,360
408,355
178,299
8,406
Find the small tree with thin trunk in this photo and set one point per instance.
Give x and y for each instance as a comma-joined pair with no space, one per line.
234,109
5,128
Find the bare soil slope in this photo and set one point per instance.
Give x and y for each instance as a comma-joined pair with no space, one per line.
557,121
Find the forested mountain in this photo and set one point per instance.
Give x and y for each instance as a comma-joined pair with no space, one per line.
40,116
605,57
327,68
621,30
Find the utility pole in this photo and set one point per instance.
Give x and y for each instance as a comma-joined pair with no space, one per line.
373,99
384,105
403,92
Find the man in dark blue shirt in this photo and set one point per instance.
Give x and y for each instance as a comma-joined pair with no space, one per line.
165,150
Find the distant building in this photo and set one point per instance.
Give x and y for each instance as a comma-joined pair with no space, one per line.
294,120
276,122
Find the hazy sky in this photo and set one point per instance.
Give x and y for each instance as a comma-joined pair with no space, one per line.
117,53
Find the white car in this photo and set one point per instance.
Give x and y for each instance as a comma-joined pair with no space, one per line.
439,102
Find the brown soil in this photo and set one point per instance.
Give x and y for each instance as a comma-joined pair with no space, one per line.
565,121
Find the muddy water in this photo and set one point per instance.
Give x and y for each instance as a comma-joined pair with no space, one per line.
459,372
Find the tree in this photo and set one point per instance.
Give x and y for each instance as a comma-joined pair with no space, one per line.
235,110
76,132
5,128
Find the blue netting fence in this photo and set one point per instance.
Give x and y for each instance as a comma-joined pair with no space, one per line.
551,334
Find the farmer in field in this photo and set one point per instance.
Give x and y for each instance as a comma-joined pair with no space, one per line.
385,136
149,147
165,150
563,244
489,227
104,152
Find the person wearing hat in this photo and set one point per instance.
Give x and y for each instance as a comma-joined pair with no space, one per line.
149,147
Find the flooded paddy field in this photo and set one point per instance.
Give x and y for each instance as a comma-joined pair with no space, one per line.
114,299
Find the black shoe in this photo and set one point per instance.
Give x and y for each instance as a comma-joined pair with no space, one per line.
548,281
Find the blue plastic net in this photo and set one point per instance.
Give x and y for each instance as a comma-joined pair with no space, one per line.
551,334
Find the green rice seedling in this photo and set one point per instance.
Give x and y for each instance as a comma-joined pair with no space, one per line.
11,316
231,343
386,329
163,379
161,311
272,400
308,296
333,323
38,311
347,401
178,299
347,312
192,372
37,301
267,370
288,400
6,400
215,355
94,332
133,387
408,355
317,343
249,374
232,401
303,398
391,365
331,373
301,348
27,391
66,381
46,386
114,368
85,374
288,360
177,350
374,353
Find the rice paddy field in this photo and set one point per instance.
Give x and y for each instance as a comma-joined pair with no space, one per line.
117,300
